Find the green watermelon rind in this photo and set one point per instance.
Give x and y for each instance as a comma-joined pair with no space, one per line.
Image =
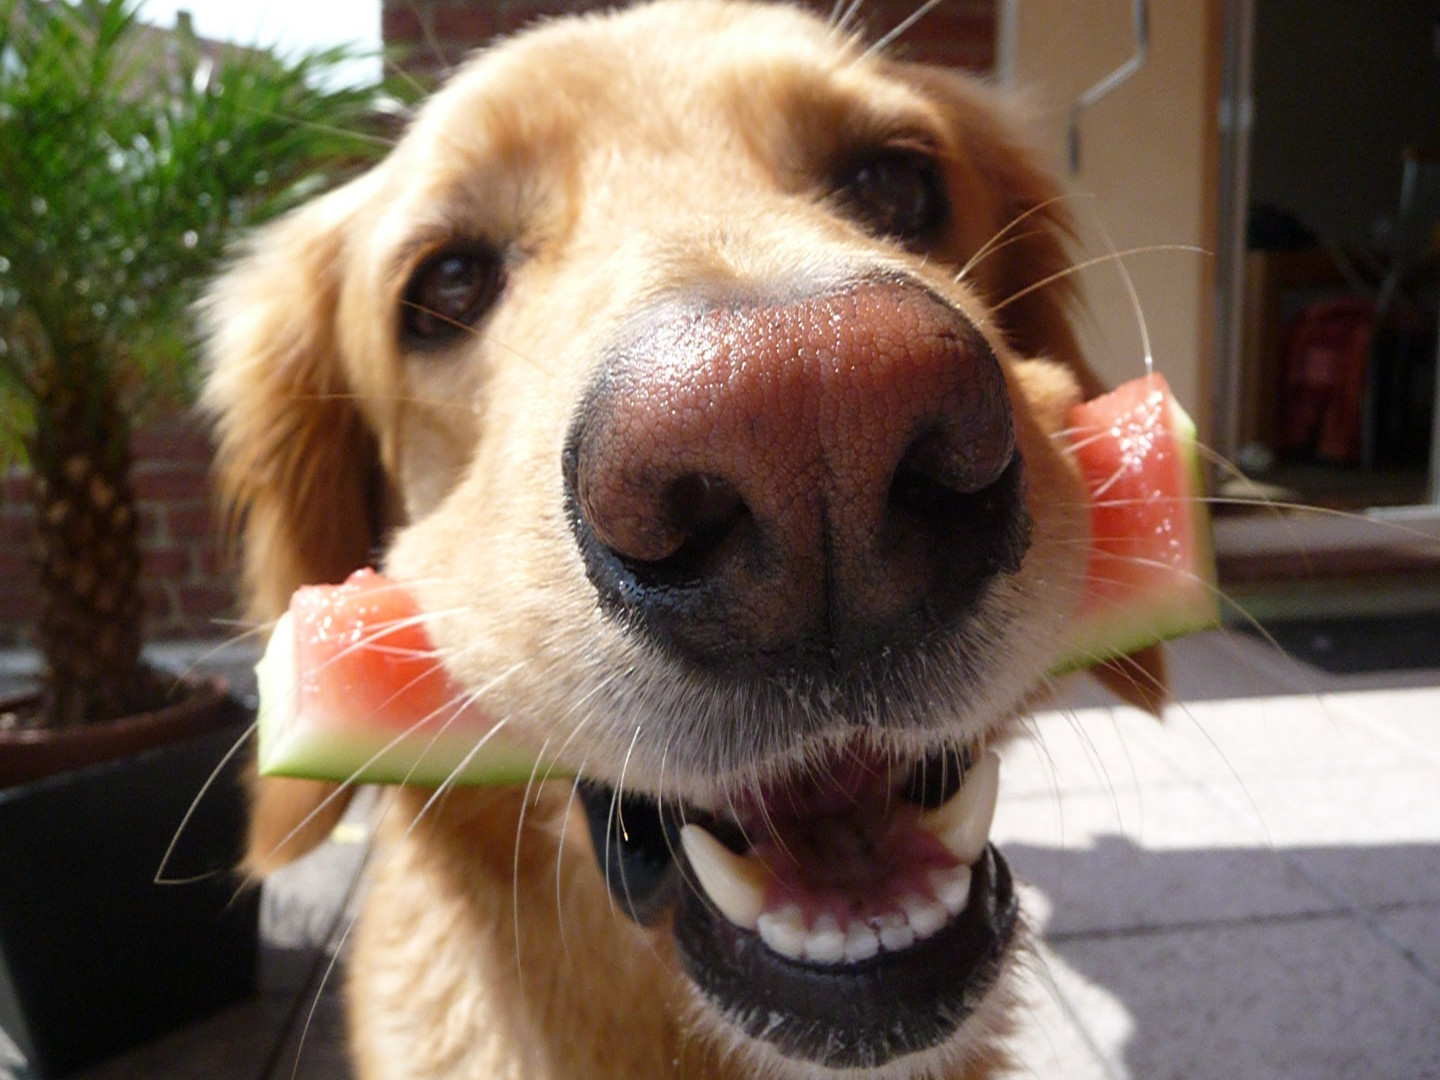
316,754
1155,617
348,752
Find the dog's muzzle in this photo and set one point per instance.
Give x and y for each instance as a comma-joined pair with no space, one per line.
848,917
810,497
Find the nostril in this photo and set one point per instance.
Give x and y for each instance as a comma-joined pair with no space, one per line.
917,492
928,463
970,443
937,471
704,508
705,512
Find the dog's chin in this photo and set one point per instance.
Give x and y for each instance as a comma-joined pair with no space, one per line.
976,1044
849,917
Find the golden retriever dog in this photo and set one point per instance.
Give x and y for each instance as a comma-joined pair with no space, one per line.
704,373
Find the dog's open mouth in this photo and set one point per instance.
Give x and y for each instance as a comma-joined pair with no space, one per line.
848,915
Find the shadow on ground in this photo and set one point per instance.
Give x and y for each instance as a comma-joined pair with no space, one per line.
1315,962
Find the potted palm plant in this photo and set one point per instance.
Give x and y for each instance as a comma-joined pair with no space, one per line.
129,159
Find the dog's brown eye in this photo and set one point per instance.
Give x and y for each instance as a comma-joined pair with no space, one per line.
895,193
448,293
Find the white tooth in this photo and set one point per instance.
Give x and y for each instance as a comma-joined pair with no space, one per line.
861,942
925,916
895,932
963,823
783,930
826,941
952,888
735,884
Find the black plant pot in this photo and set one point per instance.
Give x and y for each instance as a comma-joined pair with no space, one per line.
95,956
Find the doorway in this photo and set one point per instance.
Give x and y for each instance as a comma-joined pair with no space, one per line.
1330,118
1328,286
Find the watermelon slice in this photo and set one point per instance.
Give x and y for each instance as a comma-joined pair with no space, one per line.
350,689
1151,570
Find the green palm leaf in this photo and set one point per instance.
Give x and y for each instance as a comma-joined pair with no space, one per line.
129,160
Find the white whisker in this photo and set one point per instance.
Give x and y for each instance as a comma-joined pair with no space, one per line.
160,878
848,18
993,244
1075,268
903,25
515,870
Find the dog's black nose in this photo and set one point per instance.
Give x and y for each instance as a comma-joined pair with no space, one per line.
802,484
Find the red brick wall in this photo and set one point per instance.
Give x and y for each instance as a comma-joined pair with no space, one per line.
438,33
188,590
17,580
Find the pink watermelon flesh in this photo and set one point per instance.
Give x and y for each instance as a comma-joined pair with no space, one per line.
351,688
1151,570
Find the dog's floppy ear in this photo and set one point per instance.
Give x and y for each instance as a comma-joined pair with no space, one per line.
1141,679
1011,237
296,469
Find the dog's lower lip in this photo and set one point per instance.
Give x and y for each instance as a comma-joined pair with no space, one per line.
862,1014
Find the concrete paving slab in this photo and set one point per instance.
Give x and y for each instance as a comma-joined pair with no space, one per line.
1407,718
306,901
1374,877
1214,665
1222,665
1107,1024
1112,886
1050,1040
1293,999
1416,932
1327,816
1166,815
1363,805
1225,666
1078,751
1271,736
294,1027
315,1049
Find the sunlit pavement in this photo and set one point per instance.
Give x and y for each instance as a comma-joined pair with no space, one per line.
1250,888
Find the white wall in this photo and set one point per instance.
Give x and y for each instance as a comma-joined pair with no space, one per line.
1146,163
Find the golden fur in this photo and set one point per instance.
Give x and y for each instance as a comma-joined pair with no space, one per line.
620,158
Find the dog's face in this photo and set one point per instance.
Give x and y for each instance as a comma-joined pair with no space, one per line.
700,371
